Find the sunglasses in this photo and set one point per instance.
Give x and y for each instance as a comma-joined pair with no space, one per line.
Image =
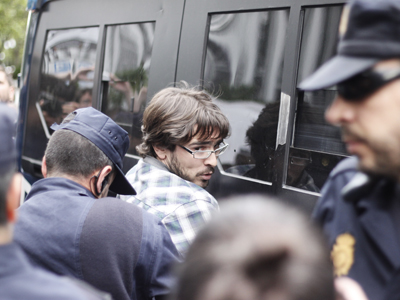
364,84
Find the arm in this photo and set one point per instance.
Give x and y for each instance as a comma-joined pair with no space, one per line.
158,255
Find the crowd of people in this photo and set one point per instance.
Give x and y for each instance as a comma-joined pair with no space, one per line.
165,237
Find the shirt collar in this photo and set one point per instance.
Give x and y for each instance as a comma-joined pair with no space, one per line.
155,163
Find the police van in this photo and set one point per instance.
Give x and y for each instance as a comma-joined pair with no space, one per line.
115,55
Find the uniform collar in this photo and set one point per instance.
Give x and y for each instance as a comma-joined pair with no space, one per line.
58,184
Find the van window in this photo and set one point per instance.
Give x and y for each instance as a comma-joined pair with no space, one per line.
67,70
125,76
315,142
244,64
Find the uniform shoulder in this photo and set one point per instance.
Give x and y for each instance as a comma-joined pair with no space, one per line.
347,165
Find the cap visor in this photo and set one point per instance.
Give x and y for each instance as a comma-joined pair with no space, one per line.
336,70
121,185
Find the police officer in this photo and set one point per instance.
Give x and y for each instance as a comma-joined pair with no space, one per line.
70,227
18,278
360,204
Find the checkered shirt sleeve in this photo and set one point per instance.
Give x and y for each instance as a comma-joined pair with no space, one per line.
184,223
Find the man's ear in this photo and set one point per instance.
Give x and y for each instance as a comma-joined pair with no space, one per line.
44,167
101,183
13,197
161,152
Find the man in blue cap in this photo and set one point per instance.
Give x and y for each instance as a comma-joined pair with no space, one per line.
360,204
70,227
18,278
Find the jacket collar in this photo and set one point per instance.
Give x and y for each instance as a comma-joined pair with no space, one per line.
58,183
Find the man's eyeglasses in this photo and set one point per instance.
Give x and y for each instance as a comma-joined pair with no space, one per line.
204,154
364,84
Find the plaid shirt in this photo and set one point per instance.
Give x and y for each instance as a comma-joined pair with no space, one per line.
182,206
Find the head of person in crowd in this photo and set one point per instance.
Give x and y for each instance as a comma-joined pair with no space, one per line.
6,86
366,72
10,182
88,147
84,97
257,248
261,137
185,130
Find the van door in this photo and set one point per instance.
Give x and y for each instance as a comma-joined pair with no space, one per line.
252,54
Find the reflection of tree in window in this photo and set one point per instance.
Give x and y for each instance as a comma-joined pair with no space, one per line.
245,55
125,89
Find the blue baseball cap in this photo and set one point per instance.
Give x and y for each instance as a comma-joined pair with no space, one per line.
110,138
370,31
8,153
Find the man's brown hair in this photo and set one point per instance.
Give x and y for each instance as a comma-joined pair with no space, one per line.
176,114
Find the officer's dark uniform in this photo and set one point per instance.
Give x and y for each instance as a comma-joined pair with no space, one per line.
113,245
358,216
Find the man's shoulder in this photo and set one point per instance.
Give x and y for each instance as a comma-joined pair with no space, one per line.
113,212
150,181
57,287
331,194
345,167
25,281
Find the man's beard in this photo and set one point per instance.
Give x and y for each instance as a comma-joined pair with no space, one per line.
385,161
176,168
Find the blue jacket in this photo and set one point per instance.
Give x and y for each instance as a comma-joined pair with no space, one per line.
20,280
113,245
356,213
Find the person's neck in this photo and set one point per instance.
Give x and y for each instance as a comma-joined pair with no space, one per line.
5,234
80,181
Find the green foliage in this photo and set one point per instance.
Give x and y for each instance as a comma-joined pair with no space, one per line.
137,77
13,20
241,92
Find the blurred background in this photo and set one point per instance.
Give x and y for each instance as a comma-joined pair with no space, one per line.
13,20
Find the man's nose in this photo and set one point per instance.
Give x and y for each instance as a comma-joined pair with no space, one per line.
211,160
339,112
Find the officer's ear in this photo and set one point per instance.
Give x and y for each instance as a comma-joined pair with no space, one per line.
13,197
44,167
103,180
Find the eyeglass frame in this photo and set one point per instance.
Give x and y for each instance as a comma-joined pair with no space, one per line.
204,151
374,80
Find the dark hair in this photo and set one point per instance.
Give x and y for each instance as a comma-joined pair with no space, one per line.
70,153
5,180
257,248
176,114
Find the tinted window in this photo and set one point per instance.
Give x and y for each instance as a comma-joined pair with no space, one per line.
243,64
125,75
315,141
67,71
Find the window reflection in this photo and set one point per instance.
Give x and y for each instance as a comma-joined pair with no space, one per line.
313,136
244,62
125,76
67,69
319,40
